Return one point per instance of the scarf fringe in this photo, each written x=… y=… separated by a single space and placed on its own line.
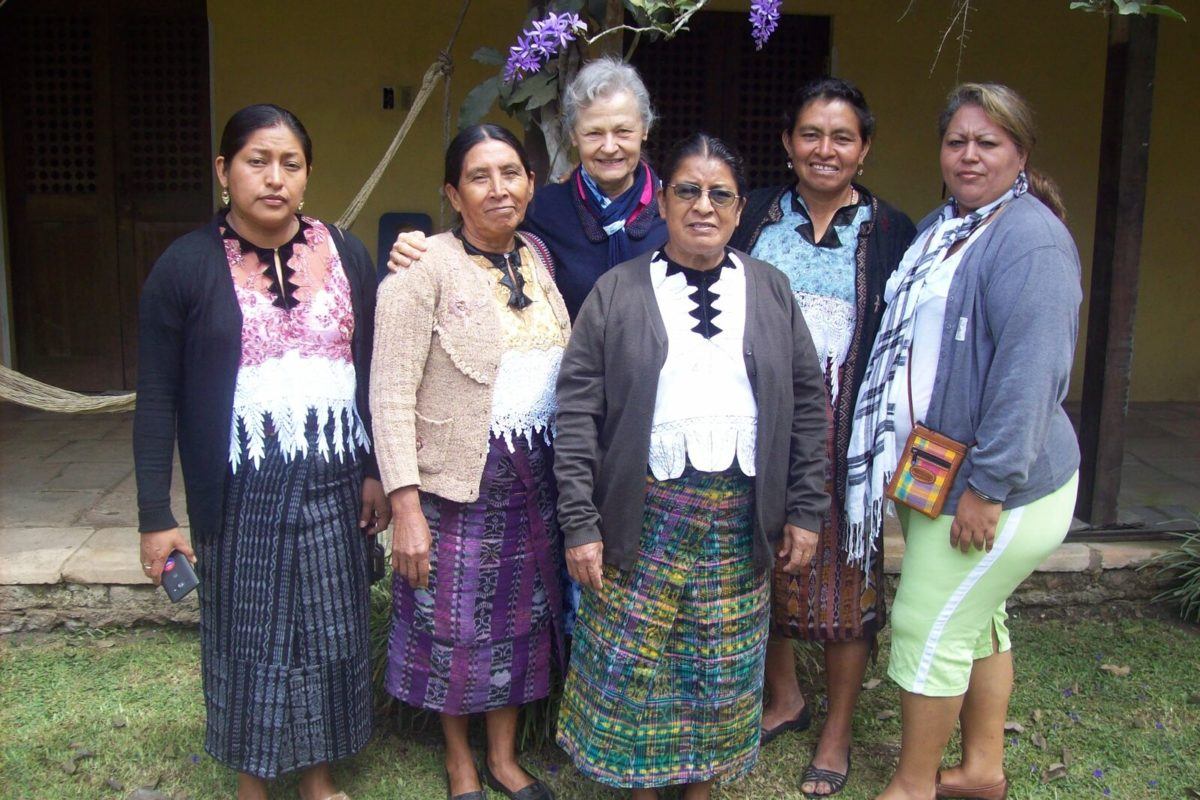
x=862 y=544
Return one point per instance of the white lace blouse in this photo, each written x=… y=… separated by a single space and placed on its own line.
x=705 y=410
x=523 y=400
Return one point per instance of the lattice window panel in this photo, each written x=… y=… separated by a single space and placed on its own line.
x=767 y=84
x=57 y=100
x=168 y=106
x=674 y=76
x=711 y=78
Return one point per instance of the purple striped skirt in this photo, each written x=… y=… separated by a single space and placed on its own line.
x=489 y=628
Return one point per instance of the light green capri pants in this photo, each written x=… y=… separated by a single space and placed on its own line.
x=949 y=603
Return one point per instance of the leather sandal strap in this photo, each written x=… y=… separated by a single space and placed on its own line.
x=836 y=780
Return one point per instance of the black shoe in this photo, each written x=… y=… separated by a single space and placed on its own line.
x=476 y=795
x=836 y=780
x=801 y=723
x=534 y=791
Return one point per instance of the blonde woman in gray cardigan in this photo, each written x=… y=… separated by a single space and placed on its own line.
x=977 y=344
x=467 y=350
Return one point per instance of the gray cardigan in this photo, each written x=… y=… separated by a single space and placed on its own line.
x=1012 y=315
x=606 y=393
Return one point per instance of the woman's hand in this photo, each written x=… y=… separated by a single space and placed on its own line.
x=585 y=563
x=157 y=546
x=409 y=247
x=797 y=549
x=975 y=523
x=410 y=547
x=376 y=511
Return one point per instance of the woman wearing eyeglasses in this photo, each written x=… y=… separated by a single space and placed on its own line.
x=467 y=351
x=690 y=455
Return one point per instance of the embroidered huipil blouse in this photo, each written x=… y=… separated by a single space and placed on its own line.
x=821 y=275
x=704 y=412
x=296 y=362
x=523 y=400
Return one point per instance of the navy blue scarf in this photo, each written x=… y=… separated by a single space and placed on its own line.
x=614 y=213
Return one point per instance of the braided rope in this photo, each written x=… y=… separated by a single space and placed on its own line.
x=23 y=390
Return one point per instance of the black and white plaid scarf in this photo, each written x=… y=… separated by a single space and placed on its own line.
x=872 y=454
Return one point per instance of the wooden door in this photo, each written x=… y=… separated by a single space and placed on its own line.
x=711 y=79
x=107 y=159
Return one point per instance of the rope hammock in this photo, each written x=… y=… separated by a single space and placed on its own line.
x=25 y=391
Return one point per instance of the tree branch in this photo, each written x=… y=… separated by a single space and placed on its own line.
x=667 y=31
x=962 y=11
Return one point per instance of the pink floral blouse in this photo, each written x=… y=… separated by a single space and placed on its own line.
x=296 y=364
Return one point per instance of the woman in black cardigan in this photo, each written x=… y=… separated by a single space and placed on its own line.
x=837 y=243
x=254 y=350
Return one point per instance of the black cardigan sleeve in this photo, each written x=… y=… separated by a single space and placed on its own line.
x=358 y=264
x=162 y=314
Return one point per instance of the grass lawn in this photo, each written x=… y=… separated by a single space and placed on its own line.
x=100 y=714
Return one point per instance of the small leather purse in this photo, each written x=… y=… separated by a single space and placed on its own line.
x=927 y=467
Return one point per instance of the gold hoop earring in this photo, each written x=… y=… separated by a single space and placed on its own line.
x=301 y=206
x=224 y=197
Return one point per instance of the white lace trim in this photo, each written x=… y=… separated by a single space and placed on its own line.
x=290 y=389
x=830 y=320
x=710 y=443
x=523 y=400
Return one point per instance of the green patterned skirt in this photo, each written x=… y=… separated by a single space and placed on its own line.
x=666 y=674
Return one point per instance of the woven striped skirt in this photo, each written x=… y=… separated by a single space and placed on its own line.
x=488 y=630
x=666 y=675
x=283 y=616
x=830 y=600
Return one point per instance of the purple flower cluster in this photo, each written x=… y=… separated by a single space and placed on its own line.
x=540 y=42
x=764 y=19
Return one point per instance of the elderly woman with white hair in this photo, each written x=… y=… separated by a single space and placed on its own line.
x=604 y=213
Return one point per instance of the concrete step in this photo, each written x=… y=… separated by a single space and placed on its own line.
x=109 y=556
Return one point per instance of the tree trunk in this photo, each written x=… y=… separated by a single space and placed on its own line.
x=1121 y=201
x=614 y=15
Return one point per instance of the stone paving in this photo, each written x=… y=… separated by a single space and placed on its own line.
x=68 y=499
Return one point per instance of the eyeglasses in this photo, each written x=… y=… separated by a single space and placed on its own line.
x=690 y=192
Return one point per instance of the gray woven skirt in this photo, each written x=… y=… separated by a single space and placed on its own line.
x=284 y=616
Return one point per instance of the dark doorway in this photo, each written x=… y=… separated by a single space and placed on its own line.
x=107 y=147
x=711 y=78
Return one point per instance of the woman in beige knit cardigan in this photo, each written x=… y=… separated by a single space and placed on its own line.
x=467 y=349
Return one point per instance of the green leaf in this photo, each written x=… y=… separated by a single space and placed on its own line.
x=478 y=102
x=574 y=6
x=531 y=85
x=543 y=95
x=1126 y=8
x=488 y=55
x=1166 y=11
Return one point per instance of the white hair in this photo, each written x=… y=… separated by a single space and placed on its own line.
x=605 y=77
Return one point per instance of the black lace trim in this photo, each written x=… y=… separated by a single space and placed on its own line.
x=283 y=295
x=703 y=295
x=843 y=217
x=509 y=265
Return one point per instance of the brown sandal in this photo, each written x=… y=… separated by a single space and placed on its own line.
x=997 y=791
